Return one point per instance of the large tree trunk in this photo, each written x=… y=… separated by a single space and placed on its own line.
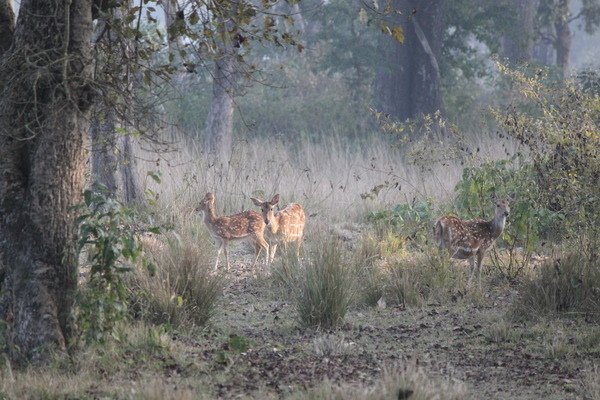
x=563 y=38
x=517 y=45
x=408 y=83
x=44 y=112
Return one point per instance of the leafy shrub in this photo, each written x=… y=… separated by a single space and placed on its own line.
x=568 y=283
x=529 y=220
x=559 y=126
x=411 y=220
x=183 y=289
x=107 y=235
x=325 y=288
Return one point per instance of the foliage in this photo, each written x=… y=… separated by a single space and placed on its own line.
x=529 y=221
x=412 y=220
x=326 y=288
x=567 y=283
x=183 y=290
x=107 y=236
x=560 y=130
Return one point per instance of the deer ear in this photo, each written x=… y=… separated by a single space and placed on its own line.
x=275 y=199
x=256 y=201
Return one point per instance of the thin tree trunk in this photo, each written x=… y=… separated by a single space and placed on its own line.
x=44 y=113
x=219 y=122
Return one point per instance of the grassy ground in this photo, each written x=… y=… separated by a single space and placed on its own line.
x=437 y=340
x=255 y=347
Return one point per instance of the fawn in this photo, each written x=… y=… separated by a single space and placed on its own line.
x=248 y=225
x=470 y=239
x=284 y=226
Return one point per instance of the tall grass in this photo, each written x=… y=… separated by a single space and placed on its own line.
x=327 y=177
x=568 y=283
x=325 y=288
x=183 y=290
x=407 y=383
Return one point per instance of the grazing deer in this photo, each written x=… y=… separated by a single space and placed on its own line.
x=248 y=225
x=283 y=226
x=470 y=239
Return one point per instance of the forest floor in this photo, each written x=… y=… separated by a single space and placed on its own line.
x=254 y=347
x=465 y=341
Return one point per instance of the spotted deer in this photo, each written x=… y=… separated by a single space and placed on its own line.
x=284 y=226
x=471 y=239
x=248 y=225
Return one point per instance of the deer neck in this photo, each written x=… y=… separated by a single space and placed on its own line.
x=210 y=215
x=498 y=224
x=274 y=223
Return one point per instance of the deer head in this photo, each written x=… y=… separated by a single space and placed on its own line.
x=267 y=208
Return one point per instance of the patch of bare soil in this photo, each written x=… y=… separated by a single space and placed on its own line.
x=256 y=348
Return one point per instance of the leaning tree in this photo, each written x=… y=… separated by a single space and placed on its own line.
x=47 y=90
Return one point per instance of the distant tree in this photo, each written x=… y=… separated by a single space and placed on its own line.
x=408 y=80
x=553 y=19
x=517 y=43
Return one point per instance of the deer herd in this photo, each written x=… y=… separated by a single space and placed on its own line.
x=463 y=239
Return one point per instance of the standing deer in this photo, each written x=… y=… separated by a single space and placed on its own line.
x=283 y=226
x=248 y=225
x=470 y=239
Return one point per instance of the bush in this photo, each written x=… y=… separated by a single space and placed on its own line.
x=325 y=288
x=109 y=236
x=529 y=221
x=423 y=278
x=568 y=283
x=183 y=290
x=409 y=221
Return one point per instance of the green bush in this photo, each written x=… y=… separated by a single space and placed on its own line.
x=325 y=288
x=108 y=234
x=529 y=221
x=412 y=221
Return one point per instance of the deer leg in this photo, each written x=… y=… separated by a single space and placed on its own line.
x=472 y=271
x=220 y=244
x=479 y=261
x=261 y=244
x=273 y=250
x=226 y=254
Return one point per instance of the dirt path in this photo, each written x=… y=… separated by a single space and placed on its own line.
x=464 y=341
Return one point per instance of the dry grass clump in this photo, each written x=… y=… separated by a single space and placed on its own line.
x=591 y=384
x=325 y=287
x=422 y=278
x=183 y=289
x=408 y=383
x=568 y=283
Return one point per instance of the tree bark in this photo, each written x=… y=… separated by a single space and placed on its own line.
x=44 y=112
x=517 y=45
x=219 y=122
x=408 y=84
x=7 y=25
x=563 y=37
